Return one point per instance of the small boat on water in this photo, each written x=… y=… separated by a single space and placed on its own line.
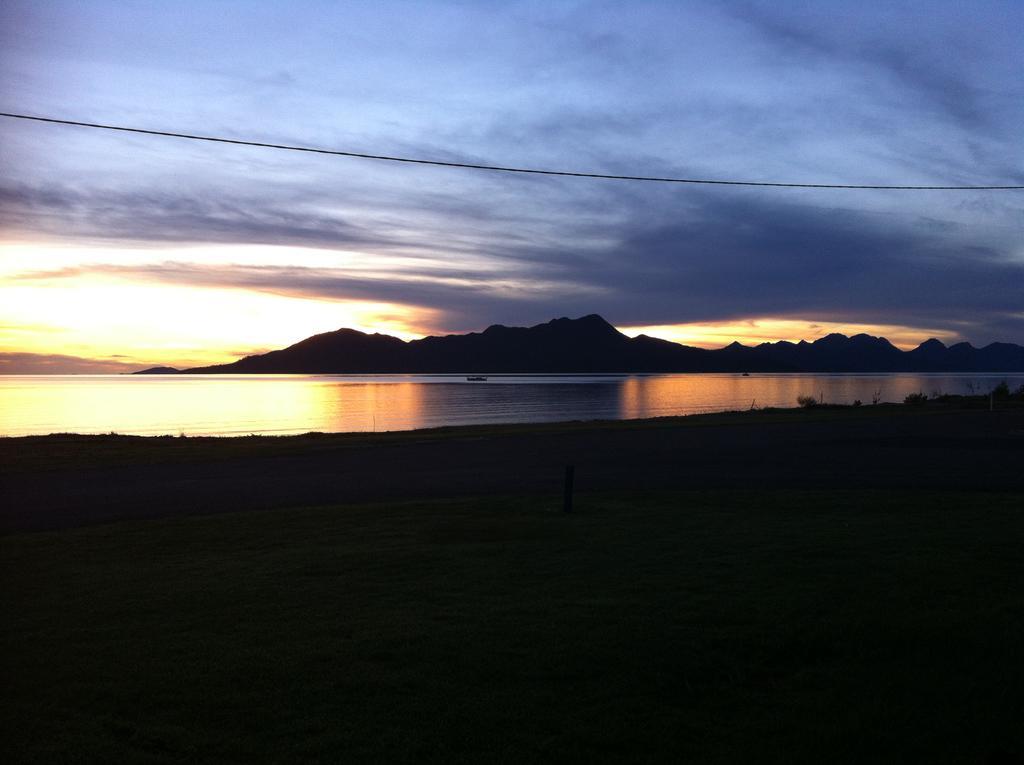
x=476 y=378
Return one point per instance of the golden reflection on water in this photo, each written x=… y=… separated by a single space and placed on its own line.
x=99 y=404
x=205 y=405
x=360 y=406
x=663 y=395
x=279 y=404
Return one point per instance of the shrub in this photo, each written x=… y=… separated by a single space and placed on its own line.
x=856 y=402
x=807 y=401
x=1002 y=390
x=915 y=399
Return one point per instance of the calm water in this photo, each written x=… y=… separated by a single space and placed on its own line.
x=236 y=405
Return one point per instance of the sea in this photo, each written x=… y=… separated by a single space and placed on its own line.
x=233 y=405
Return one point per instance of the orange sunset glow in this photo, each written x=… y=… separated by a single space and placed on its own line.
x=756 y=331
x=123 y=305
x=145 y=323
x=55 y=299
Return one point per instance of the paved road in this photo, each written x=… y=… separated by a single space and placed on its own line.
x=968 y=450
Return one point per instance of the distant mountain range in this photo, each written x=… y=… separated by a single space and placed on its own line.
x=591 y=344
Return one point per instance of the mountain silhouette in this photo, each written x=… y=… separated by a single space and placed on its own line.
x=591 y=344
x=839 y=353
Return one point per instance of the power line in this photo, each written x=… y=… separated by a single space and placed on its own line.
x=495 y=168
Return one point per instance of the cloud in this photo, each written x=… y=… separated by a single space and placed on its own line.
x=164 y=217
x=456 y=301
x=730 y=257
x=766 y=91
x=711 y=256
x=57 y=364
x=932 y=67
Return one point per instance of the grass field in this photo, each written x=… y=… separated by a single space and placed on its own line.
x=718 y=627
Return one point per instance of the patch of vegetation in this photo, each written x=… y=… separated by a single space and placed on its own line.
x=776 y=627
x=916 y=399
x=806 y=402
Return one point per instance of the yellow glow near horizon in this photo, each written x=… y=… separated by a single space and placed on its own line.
x=756 y=331
x=149 y=323
x=53 y=300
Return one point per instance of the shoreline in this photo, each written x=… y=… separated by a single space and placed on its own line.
x=59 y=481
x=943 y=403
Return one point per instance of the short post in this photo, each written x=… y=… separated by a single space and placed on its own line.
x=567 y=496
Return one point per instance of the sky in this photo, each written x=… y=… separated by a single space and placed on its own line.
x=122 y=250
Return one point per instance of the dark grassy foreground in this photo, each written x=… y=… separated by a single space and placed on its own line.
x=841 y=626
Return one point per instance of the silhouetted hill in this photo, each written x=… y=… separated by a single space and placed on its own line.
x=591 y=344
x=158 y=371
x=587 y=344
x=346 y=350
x=866 y=353
x=839 y=353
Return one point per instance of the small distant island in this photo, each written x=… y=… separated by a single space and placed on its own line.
x=592 y=345
x=158 y=371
